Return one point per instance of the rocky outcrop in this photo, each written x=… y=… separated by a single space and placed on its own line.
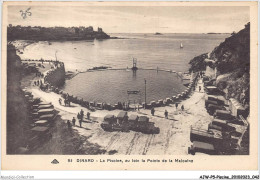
x=56 y=77
x=198 y=63
x=232 y=60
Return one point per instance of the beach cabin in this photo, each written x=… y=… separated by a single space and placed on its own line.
x=204 y=136
x=48 y=117
x=221 y=126
x=207 y=102
x=45 y=111
x=212 y=108
x=212 y=90
x=202 y=147
x=219 y=99
x=223 y=114
x=41 y=123
x=211 y=126
x=44 y=103
x=236 y=108
x=47 y=106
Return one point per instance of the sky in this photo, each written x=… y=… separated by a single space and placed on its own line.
x=136 y=19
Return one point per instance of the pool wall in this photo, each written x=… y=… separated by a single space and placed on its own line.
x=56 y=77
x=92 y=105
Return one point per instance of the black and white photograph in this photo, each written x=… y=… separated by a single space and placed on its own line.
x=128 y=79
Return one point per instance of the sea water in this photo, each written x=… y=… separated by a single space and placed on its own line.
x=151 y=51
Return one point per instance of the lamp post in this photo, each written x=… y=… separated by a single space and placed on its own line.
x=145 y=93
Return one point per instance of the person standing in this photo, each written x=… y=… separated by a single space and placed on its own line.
x=60 y=101
x=81 y=114
x=199 y=88
x=88 y=115
x=152 y=111
x=68 y=124
x=69 y=102
x=166 y=114
x=73 y=121
x=182 y=107
x=176 y=105
x=80 y=123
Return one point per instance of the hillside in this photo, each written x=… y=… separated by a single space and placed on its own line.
x=54 y=33
x=232 y=60
x=17 y=119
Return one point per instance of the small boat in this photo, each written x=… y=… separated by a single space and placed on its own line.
x=181 y=46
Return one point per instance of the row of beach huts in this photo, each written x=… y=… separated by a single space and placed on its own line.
x=228 y=128
x=41 y=116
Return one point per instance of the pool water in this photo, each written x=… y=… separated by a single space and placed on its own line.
x=111 y=86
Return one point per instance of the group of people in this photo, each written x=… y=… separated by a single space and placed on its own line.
x=166 y=112
x=66 y=100
x=38 y=82
x=80 y=115
x=39 y=74
x=80 y=118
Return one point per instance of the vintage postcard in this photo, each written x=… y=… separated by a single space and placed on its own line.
x=129 y=86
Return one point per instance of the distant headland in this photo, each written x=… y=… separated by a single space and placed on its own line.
x=39 y=33
x=157 y=33
x=217 y=33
